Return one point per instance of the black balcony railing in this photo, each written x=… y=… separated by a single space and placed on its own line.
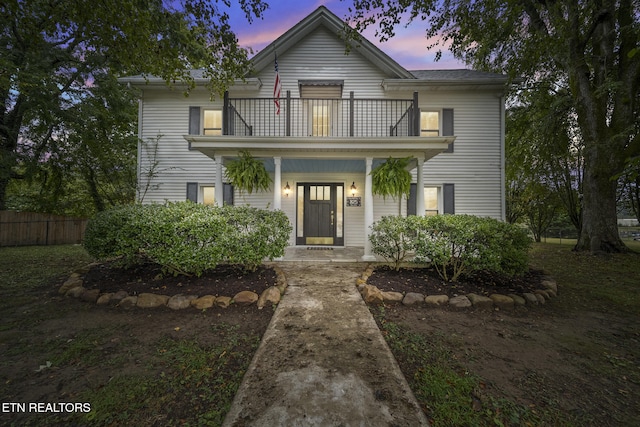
x=312 y=117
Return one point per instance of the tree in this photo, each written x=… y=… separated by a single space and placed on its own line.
x=542 y=150
x=51 y=51
x=592 y=46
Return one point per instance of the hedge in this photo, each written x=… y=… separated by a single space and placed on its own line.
x=456 y=245
x=188 y=238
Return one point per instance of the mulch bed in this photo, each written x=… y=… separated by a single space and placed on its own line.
x=427 y=281
x=224 y=280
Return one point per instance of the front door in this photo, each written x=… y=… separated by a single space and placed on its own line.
x=321 y=214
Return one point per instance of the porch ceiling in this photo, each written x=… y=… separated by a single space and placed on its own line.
x=320 y=154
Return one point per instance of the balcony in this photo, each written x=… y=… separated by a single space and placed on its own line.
x=320 y=118
x=314 y=128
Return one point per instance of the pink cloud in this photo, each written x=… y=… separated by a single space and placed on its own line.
x=408 y=47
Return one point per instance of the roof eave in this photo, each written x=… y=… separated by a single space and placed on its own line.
x=485 y=84
x=250 y=83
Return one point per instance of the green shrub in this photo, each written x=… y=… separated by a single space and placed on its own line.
x=392 y=239
x=188 y=238
x=456 y=245
x=256 y=234
x=118 y=232
x=460 y=245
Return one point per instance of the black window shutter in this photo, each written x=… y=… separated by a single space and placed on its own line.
x=194 y=120
x=192 y=191
x=447 y=126
x=227 y=194
x=448 y=198
x=411 y=201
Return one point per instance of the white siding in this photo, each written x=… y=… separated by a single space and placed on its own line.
x=166 y=114
x=321 y=56
x=474 y=167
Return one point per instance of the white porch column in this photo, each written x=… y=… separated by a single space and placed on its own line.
x=277 y=184
x=368 y=211
x=420 y=189
x=219 y=188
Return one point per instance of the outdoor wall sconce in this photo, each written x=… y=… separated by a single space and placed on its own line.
x=353 y=188
x=287 y=189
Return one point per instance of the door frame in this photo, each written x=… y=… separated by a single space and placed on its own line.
x=337 y=203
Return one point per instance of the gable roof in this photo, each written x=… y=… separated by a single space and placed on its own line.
x=398 y=77
x=323 y=17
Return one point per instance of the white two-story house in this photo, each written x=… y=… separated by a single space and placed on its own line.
x=338 y=116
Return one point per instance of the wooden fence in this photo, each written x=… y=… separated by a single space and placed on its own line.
x=28 y=228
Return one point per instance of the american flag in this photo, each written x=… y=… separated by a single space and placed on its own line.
x=277 y=88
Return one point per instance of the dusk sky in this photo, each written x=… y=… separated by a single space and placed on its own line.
x=408 y=48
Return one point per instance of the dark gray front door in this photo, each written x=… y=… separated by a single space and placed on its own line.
x=320 y=215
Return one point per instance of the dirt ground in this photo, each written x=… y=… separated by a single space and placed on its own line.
x=584 y=362
x=58 y=349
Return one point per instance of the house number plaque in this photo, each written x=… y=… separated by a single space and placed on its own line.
x=354 y=202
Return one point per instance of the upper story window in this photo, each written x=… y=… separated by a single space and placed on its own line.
x=429 y=123
x=320 y=120
x=321 y=101
x=212 y=122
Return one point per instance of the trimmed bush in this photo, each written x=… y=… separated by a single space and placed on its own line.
x=392 y=238
x=456 y=245
x=460 y=245
x=117 y=233
x=188 y=238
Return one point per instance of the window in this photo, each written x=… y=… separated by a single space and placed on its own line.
x=321 y=104
x=429 y=123
x=320 y=120
x=431 y=201
x=208 y=195
x=212 y=120
x=320 y=192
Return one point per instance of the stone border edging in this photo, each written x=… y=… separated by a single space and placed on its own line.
x=73 y=287
x=372 y=295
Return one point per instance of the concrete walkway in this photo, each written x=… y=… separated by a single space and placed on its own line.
x=323 y=360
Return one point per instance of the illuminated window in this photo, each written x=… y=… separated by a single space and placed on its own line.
x=429 y=123
x=431 y=201
x=212 y=122
x=208 y=195
x=320 y=120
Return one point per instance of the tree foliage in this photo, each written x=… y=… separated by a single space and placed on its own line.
x=629 y=190
x=592 y=47
x=544 y=165
x=54 y=52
